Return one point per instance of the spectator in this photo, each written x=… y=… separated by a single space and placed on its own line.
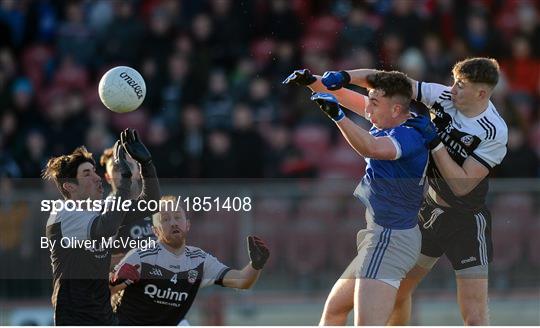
x=192 y=140
x=165 y=152
x=247 y=143
x=522 y=70
x=357 y=33
x=24 y=104
x=218 y=102
x=521 y=161
x=123 y=40
x=33 y=158
x=437 y=60
x=75 y=37
x=219 y=160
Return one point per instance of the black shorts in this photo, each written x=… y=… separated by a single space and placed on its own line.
x=464 y=236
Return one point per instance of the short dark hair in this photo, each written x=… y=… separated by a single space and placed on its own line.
x=478 y=70
x=63 y=168
x=392 y=83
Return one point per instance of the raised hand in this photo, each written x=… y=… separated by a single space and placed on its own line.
x=258 y=252
x=329 y=105
x=135 y=148
x=300 y=77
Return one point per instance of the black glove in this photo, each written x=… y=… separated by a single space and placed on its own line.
x=329 y=105
x=119 y=160
x=135 y=148
x=301 y=77
x=258 y=252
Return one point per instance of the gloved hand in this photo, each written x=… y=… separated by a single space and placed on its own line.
x=334 y=80
x=300 y=77
x=119 y=160
x=127 y=274
x=135 y=148
x=329 y=105
x=426 y=128
x=258 y=252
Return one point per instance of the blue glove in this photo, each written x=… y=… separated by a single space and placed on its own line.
x=301 y=77
x=329 y=105
x=334 y=80
x=426 y=128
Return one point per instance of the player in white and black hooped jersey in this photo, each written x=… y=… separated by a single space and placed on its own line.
x=158 y=285
x=467 y=139
x=483 y=137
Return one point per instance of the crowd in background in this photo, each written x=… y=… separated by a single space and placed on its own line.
x=215 y=106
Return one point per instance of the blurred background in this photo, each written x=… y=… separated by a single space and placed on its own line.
x=217 y=116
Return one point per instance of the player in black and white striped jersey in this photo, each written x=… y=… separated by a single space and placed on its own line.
x=159 y=284
x=468 y=139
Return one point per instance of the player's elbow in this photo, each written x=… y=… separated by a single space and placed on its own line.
x=379 y=153
x=460 y=190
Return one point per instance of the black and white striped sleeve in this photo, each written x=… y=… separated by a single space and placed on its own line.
x=429 y=93
x=214 y=271
x=492 y=149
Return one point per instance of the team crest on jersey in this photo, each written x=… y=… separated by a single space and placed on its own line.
x=192 y=276
x=467 y=140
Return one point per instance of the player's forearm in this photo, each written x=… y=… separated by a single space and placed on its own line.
x=107 y=223
x=359 y=139
x=347 y=98
x=250 y=276
x=359 y=76
x=454 y=175
x=150 y=191
x=241 y=279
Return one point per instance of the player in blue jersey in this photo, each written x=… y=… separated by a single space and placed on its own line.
x=391 y=190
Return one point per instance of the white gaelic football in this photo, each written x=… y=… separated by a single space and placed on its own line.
x=122 y=89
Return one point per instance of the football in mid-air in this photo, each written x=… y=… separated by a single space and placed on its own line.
x=122 y=89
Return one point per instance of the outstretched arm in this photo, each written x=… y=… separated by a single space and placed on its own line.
x=150 y=184
x=107 y=223
x=336 y=80
x=349 y=99
x=246 y=278
x=241 y=279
